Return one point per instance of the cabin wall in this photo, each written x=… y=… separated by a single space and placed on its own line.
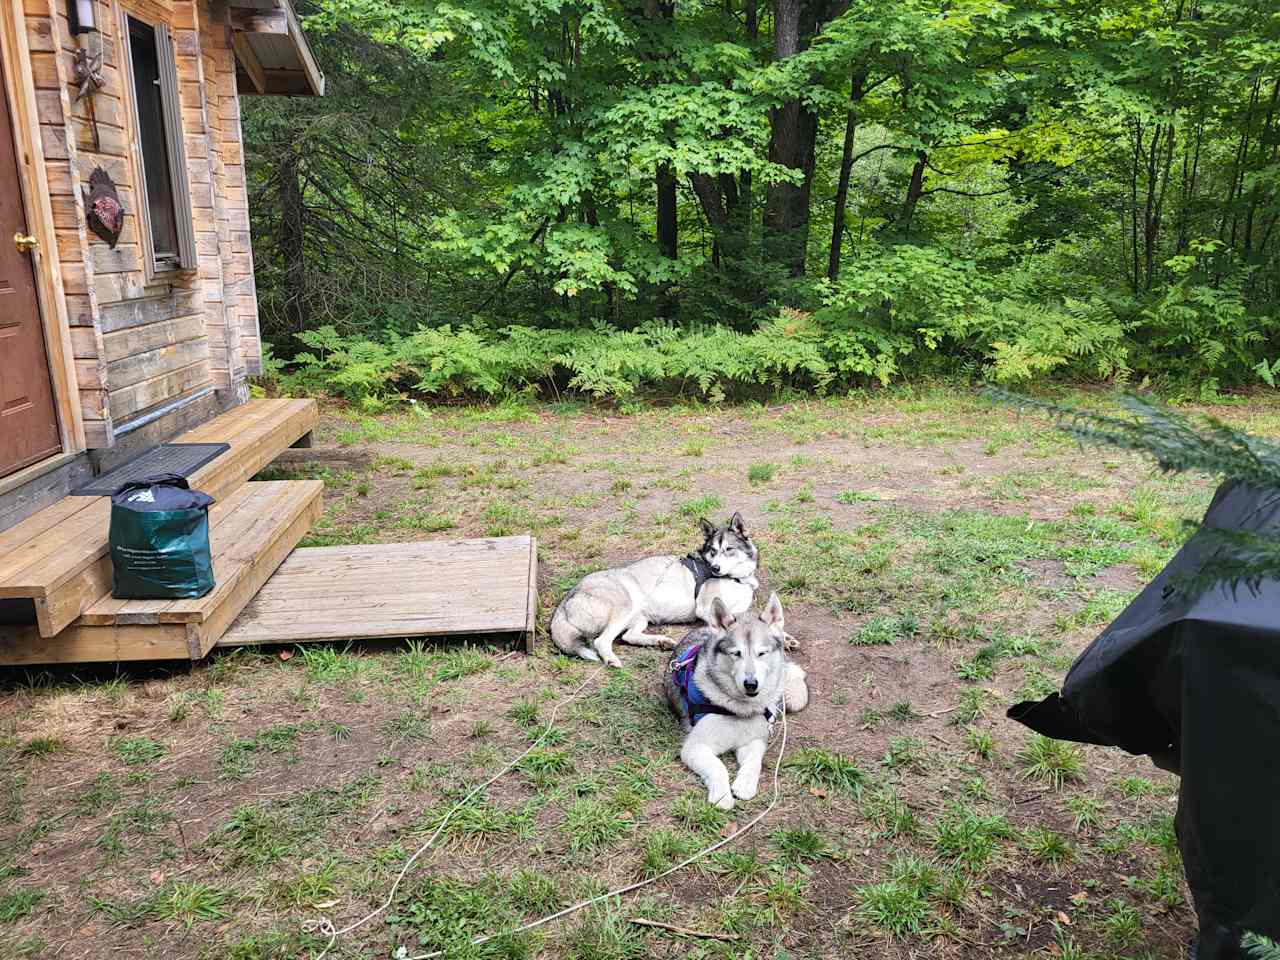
x=144 y=347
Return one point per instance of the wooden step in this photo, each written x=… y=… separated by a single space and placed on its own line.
x=251 y=532
x=58 y=557
x=429 y=589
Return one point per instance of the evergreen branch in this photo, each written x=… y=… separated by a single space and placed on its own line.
x=1235 y=557
x=1260 y=948
x=1179 y=443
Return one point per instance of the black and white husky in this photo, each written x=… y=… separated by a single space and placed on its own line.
x=621 y=604
x=726 y=685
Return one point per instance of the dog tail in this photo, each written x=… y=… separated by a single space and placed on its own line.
x=570 y=640
x=797 y=689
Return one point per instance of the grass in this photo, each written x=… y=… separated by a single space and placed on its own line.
x=1086 y=811
x=591 y=826
x=38 y=747
x=1054 y=763
x=981 y=742
x=900 y=905
x=969 y=838
x=800 y=845
x=929 y=583
x=821 y=769
x=903 y=752
x=137 y=750
x=1048 y=847
x=884 y=630
x=17 y=904
x=190 y=903
x=1123 y=924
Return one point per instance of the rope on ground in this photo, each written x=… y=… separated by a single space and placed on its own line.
x=325 y=926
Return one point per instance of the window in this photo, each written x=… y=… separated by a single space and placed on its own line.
x=164 y=200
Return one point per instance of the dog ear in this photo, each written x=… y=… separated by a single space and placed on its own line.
x=721 y=616
x=737 y=525
x=772 y=614
x=708 y=528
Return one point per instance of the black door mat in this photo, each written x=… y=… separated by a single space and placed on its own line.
x=183 y=459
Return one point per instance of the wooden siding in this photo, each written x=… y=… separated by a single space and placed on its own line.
x=141 y=342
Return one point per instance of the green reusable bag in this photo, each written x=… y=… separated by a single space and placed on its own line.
x=160 y=540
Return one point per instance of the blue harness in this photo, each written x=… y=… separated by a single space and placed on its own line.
x=695 y=701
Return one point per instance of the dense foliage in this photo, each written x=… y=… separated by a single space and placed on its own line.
x=719 y=197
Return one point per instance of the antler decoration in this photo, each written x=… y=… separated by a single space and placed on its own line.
x=88 y=74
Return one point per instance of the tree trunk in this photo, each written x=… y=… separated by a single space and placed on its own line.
x=1265 y=138
x=914 y=189
x=792 y=144
x=293 y=242
x=668 y=236
x=846 y=171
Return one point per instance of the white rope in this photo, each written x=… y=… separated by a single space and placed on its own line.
x=324 y=925
x=402 y=954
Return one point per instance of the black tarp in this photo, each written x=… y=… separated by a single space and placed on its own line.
x=1194 y=680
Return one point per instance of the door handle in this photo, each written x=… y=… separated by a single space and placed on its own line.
x=25 y=243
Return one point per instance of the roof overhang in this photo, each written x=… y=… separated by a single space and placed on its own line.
x=272 y=54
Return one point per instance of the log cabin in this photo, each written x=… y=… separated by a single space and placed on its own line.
x=128 y=313
x=113 y=341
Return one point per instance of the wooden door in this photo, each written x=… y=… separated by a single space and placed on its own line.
x=28 y=420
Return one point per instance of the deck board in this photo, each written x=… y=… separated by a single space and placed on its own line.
x=251 y=533
x=58 y=557
x=378 y=591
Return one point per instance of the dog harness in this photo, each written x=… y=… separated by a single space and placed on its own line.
x=700 y=569
x=695 y=701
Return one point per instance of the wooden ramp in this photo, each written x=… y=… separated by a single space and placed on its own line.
x=58 y=557
x=431 y=589
x=251 y=531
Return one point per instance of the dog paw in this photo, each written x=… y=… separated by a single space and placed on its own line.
x=724 y=802
x=744 y=792
x=613 y=662
x=668 y=643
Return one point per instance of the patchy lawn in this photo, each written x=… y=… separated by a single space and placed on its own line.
x=938 y=560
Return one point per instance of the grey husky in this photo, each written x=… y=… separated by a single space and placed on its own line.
x=620 y=604
x=727 y=684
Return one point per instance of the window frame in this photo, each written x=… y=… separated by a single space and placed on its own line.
x=175 y=148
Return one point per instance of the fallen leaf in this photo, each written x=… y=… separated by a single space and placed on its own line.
x=818 y=792
x=285 y=654
x=1064 y=919
x=327 y=905
x=157 y=877
x=730 y=829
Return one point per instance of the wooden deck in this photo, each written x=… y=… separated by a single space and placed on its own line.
x=250 y=532
x=430 y=589
x=58 y=558
x=267 y=592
